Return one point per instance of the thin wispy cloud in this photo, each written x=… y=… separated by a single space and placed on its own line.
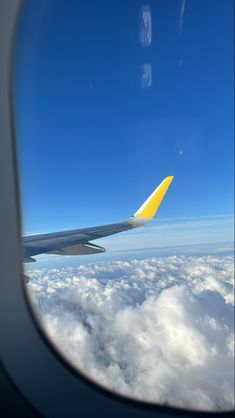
x=146 y=76
x=193 y=223
x=145 y=30
x=180 y=63
x=181 y=15
x=174 y=232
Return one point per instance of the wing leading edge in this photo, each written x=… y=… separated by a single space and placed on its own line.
x=76 y=242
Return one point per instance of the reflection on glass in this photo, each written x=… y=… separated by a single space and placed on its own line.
x=109 y=101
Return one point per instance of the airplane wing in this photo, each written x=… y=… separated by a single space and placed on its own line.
x=77 y=241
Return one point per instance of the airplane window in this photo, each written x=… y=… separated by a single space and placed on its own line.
x=124 y=115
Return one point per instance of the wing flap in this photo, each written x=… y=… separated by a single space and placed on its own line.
x=79 y=249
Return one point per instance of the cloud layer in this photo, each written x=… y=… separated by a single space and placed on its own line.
x=157 y=329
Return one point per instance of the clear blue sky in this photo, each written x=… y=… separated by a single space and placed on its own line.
x=108 y=104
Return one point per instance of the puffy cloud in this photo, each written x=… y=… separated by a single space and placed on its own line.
x=158 y=329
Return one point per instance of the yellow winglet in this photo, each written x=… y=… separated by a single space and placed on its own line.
x=148 y=209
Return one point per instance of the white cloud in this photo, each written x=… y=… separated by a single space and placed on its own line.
x=181 y=14
x=145 y=31
x=146 y=76
x=158 y=329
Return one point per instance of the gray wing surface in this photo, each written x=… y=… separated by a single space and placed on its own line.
x=77 y=241
x=72 y=242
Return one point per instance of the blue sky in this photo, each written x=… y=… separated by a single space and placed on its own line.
x=111 y=97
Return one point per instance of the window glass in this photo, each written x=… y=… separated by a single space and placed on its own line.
x=112 y=97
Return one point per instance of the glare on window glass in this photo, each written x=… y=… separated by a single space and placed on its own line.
x=125 y=137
